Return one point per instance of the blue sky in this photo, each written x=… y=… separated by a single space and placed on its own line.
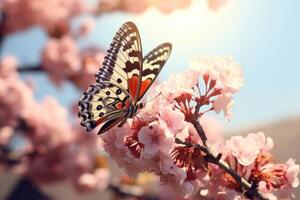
x=261 y=35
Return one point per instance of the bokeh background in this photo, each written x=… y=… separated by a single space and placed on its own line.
x=263 y=36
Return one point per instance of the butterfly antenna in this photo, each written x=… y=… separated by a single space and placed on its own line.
x=154 y=97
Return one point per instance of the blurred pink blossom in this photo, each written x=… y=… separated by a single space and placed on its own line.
x=48 y=131
x=86 y=26
x=52 y=150
x=5 y=134
x=91 y=61
x=168 y=6
x=123 y=5
x=165 y=6
x=61 y=58
x=15 y=98
x=63 y=61
x=215 y=5
x=8 y=66
x=98 y=180
x=74 y=160
x=35 y=12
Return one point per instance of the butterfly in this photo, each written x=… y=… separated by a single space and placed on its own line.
x=122 y=81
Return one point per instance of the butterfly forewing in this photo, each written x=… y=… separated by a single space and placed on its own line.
x=122 y=64
x=152 y=65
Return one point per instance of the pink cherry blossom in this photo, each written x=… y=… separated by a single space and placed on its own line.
x=178 y=84
x=61 y=58
x=8 y=67
x=45 y=131
x=292 y=173
x=256 y=144
x=5 y=134
x=222 y=68
x=86 y=26
x=156 y=138
x=173 y=118
x=278 y=180
x=20 y=99
x=35 y=12
x=254 y=163
x=224 y=103
x=91 y=61
x=63 y=61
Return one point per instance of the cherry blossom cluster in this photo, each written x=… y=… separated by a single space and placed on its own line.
x=255 y=164
x=49 y=13
x=61 y=57
x=63 y=60
x=37 y=140
x=57 y=19
x=149 y=143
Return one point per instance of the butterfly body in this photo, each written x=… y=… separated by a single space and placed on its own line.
x=122 y=81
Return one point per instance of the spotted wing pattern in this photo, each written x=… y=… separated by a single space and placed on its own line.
x=103 y=104
x=123 y=62
x=153 y=62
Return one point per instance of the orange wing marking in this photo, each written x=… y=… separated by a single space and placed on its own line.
x=144 y=86
x=133 y=83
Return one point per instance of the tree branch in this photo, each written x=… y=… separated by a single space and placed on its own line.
x=2 y=29
x=30 y=68
x=200 y=130
x=251 y=191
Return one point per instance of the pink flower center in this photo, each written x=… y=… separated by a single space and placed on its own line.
x=134 y=146
x=132 y=142
x=183 y=104
x=189 y=158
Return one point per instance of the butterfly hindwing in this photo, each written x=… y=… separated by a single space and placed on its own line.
x=122 y=64
x=153 y=62
x=100 y=103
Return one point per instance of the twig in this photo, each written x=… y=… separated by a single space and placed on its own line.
x=216 y=159
x=30 y=68
x=200 y=130
x=2 y=29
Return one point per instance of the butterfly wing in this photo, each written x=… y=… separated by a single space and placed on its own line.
x=153 y=62
x=103 y=104
x=123 y=63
